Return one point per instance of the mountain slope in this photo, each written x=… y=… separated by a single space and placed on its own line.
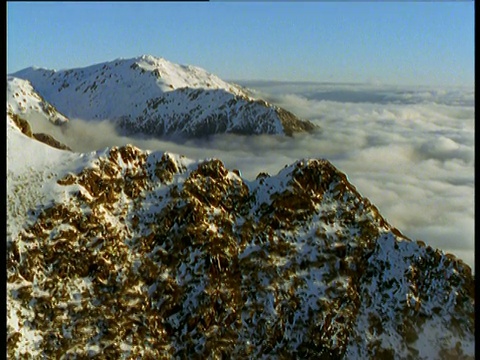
x=27 y=109
x=154 y=96
x=24 y=101
x=129 y=253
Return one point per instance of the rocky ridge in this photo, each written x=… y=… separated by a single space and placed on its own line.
x=153 y=255
x=149 y=95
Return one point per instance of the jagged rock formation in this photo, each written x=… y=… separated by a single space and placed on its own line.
x=151 y=255
x=152 y=96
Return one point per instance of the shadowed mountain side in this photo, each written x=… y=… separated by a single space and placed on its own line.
x=192 y=113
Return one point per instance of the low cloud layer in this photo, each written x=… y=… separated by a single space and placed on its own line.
x=410 y=151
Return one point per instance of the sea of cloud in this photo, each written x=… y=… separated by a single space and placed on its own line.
x=409 y=150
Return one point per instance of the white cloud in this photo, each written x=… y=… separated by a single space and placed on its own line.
x=411 y=152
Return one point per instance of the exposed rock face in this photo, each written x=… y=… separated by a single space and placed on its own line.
x=51 y=141
x=22 y=124
x=155 y=256
x=149 y=95
x=25 y=128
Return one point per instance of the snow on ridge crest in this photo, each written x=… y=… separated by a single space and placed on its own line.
x=184 y=76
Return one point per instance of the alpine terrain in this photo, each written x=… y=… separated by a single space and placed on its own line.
x=150 y=95
x=27 y=108
x=130 y=254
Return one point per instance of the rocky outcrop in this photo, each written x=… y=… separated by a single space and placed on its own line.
x=155 y=256
x=21 y=123
x=51 y=141
x=25 y=128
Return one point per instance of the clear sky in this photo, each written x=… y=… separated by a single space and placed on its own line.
x=419 y=43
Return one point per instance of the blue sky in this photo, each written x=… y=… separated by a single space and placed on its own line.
x=414 y=43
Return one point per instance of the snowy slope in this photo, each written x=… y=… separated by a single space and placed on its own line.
x=24 y=101
x=132 y=253
x=154 y=96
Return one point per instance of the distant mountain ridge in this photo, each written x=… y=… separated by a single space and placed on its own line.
x=153 y=96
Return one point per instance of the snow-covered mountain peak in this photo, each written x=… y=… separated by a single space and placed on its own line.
x=153 y=96
x=166 y=74
x=172 y=76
